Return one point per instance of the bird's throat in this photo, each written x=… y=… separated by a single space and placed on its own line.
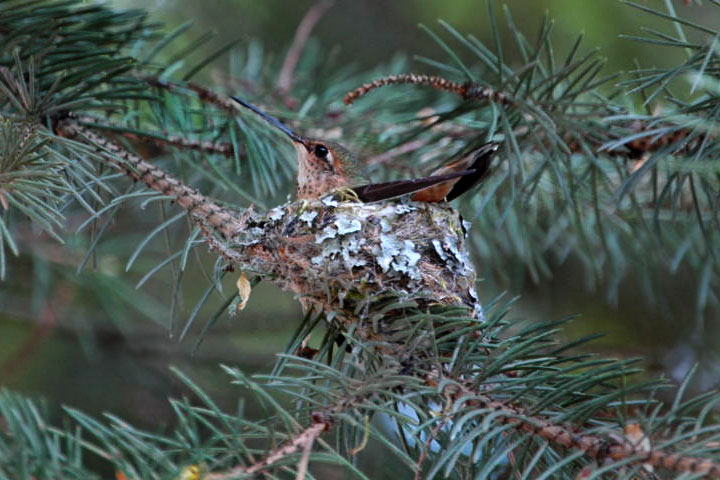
x=314 y=181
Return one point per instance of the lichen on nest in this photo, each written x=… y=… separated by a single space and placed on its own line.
x=333 y=253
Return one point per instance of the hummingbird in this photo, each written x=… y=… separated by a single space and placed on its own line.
x=326 y=166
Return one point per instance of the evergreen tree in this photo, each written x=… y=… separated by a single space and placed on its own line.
x=409 y=360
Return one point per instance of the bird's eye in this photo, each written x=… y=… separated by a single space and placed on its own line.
x=321 y=151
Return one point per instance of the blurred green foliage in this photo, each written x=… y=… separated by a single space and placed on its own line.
x=371 y=31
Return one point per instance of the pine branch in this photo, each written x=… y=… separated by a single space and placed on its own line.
x=629 y=445
x=647 y=136
x=160 y=140
x=303 y=440
x=467 y=90
x=204 y=94
x=196 y=204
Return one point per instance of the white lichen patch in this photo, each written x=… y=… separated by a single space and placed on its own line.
x=328 y=232
x=347 y=225
x=276 y=214
x=406 y=260
x=308 y=217
x=398 y=254
x=386 y=252
x=349 y=250
x=352 y=253
x=402 y=208
x=255 y=231
x=437 y=245
x=330 y=201
x=327 y=255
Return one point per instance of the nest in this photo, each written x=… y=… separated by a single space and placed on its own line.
x=337 y=256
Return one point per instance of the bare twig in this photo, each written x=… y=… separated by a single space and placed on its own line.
x=304 y=440
x=307 y=24
x=305 y=459
x=681 y=137
x=423 y=454
x=466 y=90
x=161 y=139
x=366 y=436
x=223 y=148
x=206 y=95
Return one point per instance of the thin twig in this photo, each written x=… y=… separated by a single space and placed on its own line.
x=303 y=440
x=305 y=459
x=206 y=95
x=472 y=91
x=161 y=139
x=423 y=454
x=307 y=24
x=366 y=436
x=222 y=148
x=467 y=90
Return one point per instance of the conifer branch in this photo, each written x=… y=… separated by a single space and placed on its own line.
x=162 y=139
x=610 y=447
x=646 y=136
x=204 y=94
x=303 y=440
x=219 y=248
x=196 y=204
x=213 y=148
x=467 y=90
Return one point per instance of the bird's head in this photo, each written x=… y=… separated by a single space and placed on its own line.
x=322 y=166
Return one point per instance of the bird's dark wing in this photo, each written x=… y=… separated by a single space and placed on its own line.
x=375 y=192
x=480 y=167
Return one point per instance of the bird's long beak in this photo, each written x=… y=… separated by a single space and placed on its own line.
x=272 y=121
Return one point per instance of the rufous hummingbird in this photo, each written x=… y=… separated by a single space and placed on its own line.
x=325 y=166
